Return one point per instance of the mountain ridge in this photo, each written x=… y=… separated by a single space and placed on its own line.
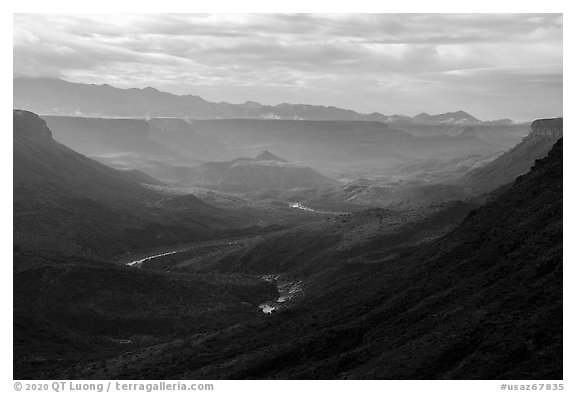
x=69 y=98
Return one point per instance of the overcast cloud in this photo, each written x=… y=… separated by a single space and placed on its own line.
x=491 y=65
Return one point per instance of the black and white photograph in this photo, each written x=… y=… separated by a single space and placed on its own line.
x=287 y=196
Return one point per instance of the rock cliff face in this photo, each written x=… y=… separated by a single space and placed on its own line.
x=40 y=162
x=29 y=126
x=518 y=160
x=548 y=128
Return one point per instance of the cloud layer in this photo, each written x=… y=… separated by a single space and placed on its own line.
x=492 y=65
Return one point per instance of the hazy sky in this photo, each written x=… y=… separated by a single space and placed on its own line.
x=491 y=65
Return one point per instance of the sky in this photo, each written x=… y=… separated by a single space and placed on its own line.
x=490 y=65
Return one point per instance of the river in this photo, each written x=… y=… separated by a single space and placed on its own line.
x=287 y=291
x=138 y=262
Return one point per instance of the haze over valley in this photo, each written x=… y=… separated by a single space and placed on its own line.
x=162 y=233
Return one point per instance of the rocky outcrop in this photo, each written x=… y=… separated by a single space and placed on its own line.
x=29 y=125
x=548 y=128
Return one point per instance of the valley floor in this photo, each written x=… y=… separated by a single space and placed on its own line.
x=232 y=281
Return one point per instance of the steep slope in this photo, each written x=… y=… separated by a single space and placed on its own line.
x=41 y=161
x=99 y=211
x=518 y=160
x=266 y=171
x=482 y=302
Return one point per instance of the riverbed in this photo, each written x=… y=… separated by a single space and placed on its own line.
x=287 y=291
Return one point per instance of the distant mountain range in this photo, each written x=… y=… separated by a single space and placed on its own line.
x=59 y=97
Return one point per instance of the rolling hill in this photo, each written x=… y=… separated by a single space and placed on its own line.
x=265 y=171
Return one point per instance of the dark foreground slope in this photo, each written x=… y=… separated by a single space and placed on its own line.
x=69 y=311
x=483 y=302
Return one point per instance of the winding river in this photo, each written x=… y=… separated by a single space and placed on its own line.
x=287 y=290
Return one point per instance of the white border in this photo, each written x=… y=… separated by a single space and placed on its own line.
x=127 y=6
